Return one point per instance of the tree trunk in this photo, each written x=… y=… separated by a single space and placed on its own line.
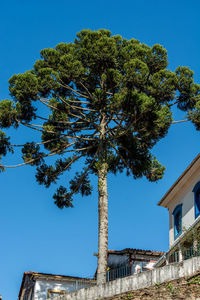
x=103 y=225
x=102 y=209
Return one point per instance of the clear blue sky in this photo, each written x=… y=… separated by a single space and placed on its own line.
x=34 y=233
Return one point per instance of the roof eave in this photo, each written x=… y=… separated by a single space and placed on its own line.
x=165 y=199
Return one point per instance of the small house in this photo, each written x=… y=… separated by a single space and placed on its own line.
x=130 y=261
x=42 y=286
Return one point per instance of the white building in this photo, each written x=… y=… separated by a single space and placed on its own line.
x=41 y=286
x=122 y=263
x=183 y=203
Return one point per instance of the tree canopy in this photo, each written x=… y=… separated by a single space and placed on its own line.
x=109 y=101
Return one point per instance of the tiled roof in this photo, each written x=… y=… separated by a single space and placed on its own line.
x=55 y=276
x=136 y=251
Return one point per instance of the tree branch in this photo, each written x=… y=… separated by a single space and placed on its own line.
x=62 y=122
x=123 y=147
x=90 y=95
x=83 y=108
x=181 y=121
x=42 y=143
x=69 y=164
x=124 y=161
x=75 y=107
x=30 y=161
x=71 y=89
x=70 y=113
x=86 y=120
x=48 y=105
x=83 y=175
x=56 y=133
x=53 y=152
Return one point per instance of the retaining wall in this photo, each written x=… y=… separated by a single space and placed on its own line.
x=138 y=281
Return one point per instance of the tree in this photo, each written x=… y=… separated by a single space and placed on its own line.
x=109 y=101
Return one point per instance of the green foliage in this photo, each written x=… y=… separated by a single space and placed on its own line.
x=194 y=280
x=99 y=81
x=5 y=145
x=188 y=90
x=170 y=287
x=157 y=284
x=194 y=115
x=156 y=171
x=49 y=174
x=8 y=114
x=129 y=296
x=31 y=154
x=187 y=242
x=46 y=175
x=81 y=184
x=63 y=198
x=52 y=137
x=24 y=87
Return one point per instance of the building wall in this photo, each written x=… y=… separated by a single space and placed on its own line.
x=42 y=286
x=138 y=261
x=28 y=290
x=184 y=196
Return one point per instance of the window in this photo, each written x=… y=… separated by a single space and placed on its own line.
x=177 y=213
x=196 y=191
x=174 y=257
x=54 y=293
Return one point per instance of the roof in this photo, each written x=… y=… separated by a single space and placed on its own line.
x=136 y=251
x=179 y=179
x=53 y=276
x=49 y=276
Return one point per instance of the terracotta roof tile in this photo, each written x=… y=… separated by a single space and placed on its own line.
x=136 y=251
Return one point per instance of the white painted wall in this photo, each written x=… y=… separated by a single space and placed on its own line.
x=42 y=286
x=184 y=196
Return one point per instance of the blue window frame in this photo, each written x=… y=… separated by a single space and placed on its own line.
x=177 y=213
x=196 y=191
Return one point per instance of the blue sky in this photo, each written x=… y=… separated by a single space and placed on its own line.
x=34 y=233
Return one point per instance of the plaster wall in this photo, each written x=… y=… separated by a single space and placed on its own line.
x=138 y=265
x=183 y=196
x=42 y=286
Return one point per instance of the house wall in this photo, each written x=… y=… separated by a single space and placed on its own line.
x=183 y=196
x=28 y=290
x=43 y=285
x=145 y=261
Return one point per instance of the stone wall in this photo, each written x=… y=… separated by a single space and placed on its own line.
x=187 y=288
x=136 y=282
